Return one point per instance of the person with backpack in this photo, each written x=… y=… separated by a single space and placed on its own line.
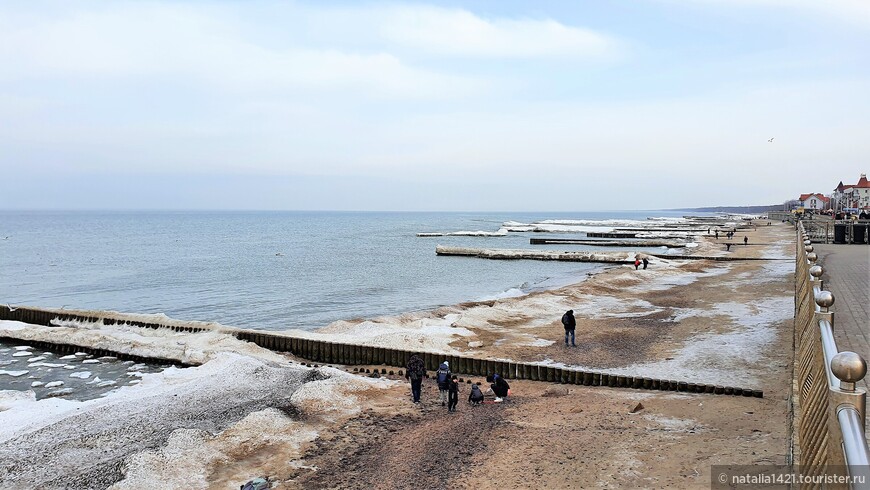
x=570 y=324
x=415 y=371
x=442 y=376
x=499 y=387
x=476 y=396
x=453 y=394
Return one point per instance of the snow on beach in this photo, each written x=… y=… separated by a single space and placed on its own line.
x=180 y=411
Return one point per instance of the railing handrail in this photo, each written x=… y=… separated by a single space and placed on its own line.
x=846 y=404
x=854 y=443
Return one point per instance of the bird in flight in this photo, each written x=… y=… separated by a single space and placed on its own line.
x=770 y=140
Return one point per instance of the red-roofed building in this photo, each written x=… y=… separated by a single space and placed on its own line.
x=814 y=201
x=859 y=194
x=852 y=196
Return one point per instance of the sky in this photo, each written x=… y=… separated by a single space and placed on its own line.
x=430 y=106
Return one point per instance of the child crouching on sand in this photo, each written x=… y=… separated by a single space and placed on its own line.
x=476 y=396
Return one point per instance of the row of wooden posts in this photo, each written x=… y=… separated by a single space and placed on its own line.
x=324 y=352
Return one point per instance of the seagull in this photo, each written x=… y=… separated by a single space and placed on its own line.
x=770 y=140
x=11 y=308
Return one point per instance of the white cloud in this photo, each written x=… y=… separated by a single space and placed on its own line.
x=160 y=41
x=456 y=32
x=850 y=11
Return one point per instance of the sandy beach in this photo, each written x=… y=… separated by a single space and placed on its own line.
x=725 y=322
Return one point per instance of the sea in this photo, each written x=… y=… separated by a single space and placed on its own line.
x=271 y=270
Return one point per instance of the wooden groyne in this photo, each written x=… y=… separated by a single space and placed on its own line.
x=578 y=256
x=530 y=254
x=610 y=234
x=325 y=352
x=607 y=243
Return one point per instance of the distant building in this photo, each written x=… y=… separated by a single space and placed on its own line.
x=814 y=201
x=854 y=196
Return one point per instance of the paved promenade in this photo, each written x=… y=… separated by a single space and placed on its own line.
x=847 y=276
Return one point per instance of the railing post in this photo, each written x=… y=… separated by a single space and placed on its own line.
x=848 y=445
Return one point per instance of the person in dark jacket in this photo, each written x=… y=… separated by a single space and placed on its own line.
x=442 y=376
x=499 y=386
x=453 y=394
x=476 y=396
x=746 y=240
x=645 y=263
x=570 y=324
x=415 y=371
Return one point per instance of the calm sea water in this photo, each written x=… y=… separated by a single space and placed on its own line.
x=266 y=270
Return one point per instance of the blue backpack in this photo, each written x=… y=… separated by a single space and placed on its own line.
x=442 y=376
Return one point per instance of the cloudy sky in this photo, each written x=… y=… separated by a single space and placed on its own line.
x=507 y=105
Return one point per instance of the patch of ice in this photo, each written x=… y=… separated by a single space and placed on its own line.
x=14 y=374
x=23 y=347
x=94 y=381
x=36 y=359
x=81 y=354
x=81 y=375
x=67 y=358
x=22 y=353
x=54 y=384
x=90 y=361
x=69 y=367
x=36 y=384
x=10 y=361
x=103 y=384
x=46 y=364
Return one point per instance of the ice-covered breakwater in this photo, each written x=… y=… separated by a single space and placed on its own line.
x=326 y=352
x=516 y=254
x=609 y=243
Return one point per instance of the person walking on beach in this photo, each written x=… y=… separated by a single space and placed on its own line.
x=645 y=263
x=636 y=263
x=745 y=240
x=570 y=324
x=453 y=394
x=442 y=376
x=415 y=371
x=717 y=234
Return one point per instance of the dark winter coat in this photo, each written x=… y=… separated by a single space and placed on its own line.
x=476 y=395
x=500 y=387
x=443 y=376
x=415 y=368
x=568 y=321
x=453 y=386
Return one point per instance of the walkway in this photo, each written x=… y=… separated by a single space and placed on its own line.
x=847 y=276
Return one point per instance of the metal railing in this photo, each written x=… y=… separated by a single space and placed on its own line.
x=830 y=410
